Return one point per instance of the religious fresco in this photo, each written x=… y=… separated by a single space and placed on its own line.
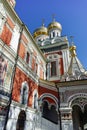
x=8 y=74
x=5 y=71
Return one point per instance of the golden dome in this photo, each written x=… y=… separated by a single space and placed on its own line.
x=54 y=25
x=40 y=31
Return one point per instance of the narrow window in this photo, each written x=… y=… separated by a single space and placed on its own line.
x=24 y=96
x=36 y=68
x=53 y=68
x=24 y=93
x=35 y=101
x=53 y=34
x=27 y=57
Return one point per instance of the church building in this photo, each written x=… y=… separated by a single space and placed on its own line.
x=43 y=85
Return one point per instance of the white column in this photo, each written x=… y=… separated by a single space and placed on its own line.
x=48 y=71
x=65 y=60
x=66 y=118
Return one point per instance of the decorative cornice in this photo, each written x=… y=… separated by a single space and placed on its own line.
x=60 y=46
x=47 y=84
x=72 y=83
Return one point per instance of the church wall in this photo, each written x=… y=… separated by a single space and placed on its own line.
x=10 y=22
x=48 y=95
x=21 y=77
x=15 y=110
x=6 y=35
x=26 y=73
x=6 y=71
x=11 y=33
x=42 y=90
x=61 y=66
x=22 y=50
x=54 y=73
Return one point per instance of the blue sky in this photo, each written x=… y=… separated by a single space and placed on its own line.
x=72 y=14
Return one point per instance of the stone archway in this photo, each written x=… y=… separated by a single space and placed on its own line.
x=21 y=120
x=49 y=113
x=49 y=107
x=79 y=112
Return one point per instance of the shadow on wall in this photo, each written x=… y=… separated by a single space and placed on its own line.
x=50 y=113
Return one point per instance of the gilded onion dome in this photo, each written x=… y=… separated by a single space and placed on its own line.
x=53 y=25
x=40 y=31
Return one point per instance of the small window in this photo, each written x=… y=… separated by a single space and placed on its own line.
x=24 y=93
x=53 y=34
x=36 y=68
x=39 y=40
x=53 y=68
x=27 y=57
x=55 y=56
x=50 y=57
x=35 y=101
x=50 y=35
x=24 y=96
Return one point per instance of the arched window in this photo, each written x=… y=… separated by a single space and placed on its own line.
x=53 y=34
x=35 y=99
x=24 y=93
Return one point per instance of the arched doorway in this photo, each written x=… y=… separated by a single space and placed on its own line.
x=79 y=113
x=85 y=117
x=21 y=121
x=77 y=118
x=50 y=113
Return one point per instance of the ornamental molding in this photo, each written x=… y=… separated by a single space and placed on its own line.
x=50 y=96
x=71 y=83
x=79 y=99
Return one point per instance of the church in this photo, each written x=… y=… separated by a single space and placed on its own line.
x=43 y=85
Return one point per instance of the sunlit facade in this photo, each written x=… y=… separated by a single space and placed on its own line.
x=43 y=85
